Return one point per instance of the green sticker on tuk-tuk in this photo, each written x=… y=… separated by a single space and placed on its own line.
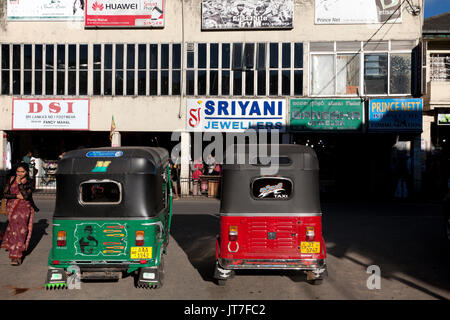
x=101 y=166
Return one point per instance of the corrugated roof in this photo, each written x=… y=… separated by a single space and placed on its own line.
x=437 y=24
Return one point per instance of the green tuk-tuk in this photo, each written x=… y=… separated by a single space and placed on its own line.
x=112 y=216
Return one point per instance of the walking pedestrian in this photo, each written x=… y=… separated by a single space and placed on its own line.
x=20 y=208
x=174 y=178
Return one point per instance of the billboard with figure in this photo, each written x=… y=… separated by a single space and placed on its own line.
x=248 y=14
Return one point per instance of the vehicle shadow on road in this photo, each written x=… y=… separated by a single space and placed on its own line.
x=196 y=235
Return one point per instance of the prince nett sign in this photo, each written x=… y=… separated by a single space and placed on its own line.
x=45 y=114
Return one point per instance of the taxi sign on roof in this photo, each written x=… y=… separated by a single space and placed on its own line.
x=104 y=154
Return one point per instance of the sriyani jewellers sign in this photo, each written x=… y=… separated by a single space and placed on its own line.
x=49 y=114
x=235 y=115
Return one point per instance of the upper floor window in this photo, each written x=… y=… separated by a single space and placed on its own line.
x=244 y=69
x=355 y=68
x=440 y=67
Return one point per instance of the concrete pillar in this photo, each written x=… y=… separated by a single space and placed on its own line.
x=116 y=140
x=185 y=163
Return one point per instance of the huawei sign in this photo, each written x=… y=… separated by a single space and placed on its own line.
x=98 y=6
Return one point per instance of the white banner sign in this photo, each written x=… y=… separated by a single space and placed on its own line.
x=235 y=115
x=124 y=13
x=49 y=114
x=357 y=11
x=26 y=10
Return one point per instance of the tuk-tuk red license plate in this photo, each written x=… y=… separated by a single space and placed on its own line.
x=310 y=247
x=141 y=252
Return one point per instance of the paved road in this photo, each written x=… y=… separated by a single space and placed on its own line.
x=404 y=240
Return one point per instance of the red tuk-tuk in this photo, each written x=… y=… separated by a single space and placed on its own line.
x=271 y=221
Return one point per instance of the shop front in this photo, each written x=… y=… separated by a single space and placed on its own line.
x=334 y=129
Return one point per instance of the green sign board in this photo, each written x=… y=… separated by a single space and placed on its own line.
x=326 y=114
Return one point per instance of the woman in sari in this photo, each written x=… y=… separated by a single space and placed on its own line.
x=20 y=209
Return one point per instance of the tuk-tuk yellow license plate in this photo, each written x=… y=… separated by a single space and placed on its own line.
x=310 y=247
x=141 y=252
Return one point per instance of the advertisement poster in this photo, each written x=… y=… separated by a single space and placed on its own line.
x=124 y=13
x=326 y=114
x=249 y=14
x=357 y=11
x=235 y=115
x=444 y=119
x=50 y=114
x=45 y=10
x=395 y=115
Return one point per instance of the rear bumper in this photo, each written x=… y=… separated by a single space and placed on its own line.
x=276 y=264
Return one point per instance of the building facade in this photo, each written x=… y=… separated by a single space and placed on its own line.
x=324 y=72
x=436 y=40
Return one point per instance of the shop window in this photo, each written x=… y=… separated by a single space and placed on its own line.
x=27 y=66
x=322 y=74
x=16 y=68
x=107 y=69
x=38 y=60
x=439 y=66
x=400 y=73
x=142 y=67
x=130 y=73
x=274 y=63
x=261 y=69
x=153 y=69
x=176 y=69
x=61 y=69
x=165 y=69
x=72 y=70
x=83 y=67
x=214 y=66
x=347 y=79
x=376 y=73
x=119 y=72
x=97 y=69
x=49 y=68
x=5 y=68
x=226 y=54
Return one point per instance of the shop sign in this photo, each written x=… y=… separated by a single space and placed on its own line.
x=248 y=14
x=357 y=11
x=326 y=114
x=395 y=115
x=235 y=115
x=444 y=119
x=45 y=10
x=49 y=114
x=124 y=13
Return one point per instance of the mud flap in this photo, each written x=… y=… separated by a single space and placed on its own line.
x=222 y=274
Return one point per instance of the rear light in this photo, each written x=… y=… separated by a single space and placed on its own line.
x=310 y=234
x=233 y=233
x=140 y=235
x=61 y=239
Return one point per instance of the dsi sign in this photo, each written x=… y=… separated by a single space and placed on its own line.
x=235 y=115
x=395 y=115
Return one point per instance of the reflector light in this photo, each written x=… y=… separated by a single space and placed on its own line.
x=140 y=236
x=233 y=233
x=310 y=234
x=55 y=261
x=143 y=261
x=61 y=239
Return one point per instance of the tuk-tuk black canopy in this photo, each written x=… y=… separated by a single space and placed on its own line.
x=298 y=165
x=138 y=171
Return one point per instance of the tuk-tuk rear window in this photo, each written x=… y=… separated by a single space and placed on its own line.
x=278 y=188
x=100 y=192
